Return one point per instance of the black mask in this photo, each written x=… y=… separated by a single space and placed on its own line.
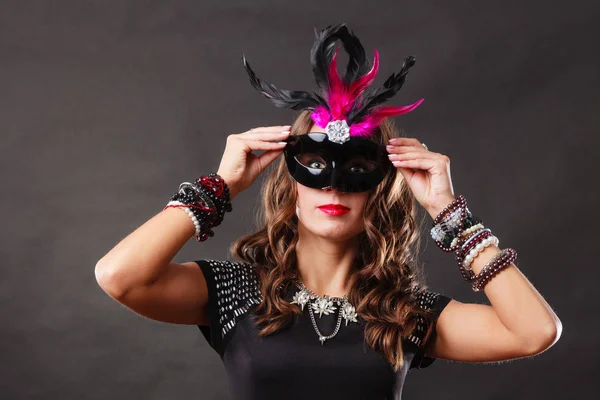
x=357 y=165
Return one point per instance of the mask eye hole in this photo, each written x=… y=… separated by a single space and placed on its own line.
x=360 y=165
x=311 y=160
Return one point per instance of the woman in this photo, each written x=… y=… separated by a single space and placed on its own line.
x=324 y=300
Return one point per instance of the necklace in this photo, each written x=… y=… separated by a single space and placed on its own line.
x=324 y=305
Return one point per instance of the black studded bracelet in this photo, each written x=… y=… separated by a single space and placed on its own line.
x=206 y=200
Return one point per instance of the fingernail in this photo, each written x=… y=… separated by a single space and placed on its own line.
x=389 y=147
x=281 y=142
x=393 y=140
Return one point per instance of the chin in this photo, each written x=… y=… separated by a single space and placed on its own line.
x=337 y=230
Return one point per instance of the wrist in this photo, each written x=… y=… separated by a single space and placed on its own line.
x=233 y=191
x=435 y=209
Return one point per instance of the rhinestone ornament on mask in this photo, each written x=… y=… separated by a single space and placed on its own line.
x=338 y=131
x=324 y=305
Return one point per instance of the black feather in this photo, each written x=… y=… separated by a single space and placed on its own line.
x=358 y=65
x=324 y=48
x=322 y=53
x=294 y=99
x=390 y=87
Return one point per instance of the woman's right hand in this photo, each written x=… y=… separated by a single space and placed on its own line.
x=239 y=168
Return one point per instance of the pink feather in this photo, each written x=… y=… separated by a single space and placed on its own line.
x=364 y=128
x=358 y=86
x=340 y=97
x=321 y=116
x=337 y=95
x=371 y=121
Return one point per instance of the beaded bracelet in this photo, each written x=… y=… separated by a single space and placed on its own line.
x=456 y=229
x=184 y=207
x=450 y=222
x=478 y=248
x=500 y=261
x=205 y=200
x=201 y=194
x=203 y=216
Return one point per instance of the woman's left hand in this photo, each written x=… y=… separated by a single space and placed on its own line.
x=426 y=173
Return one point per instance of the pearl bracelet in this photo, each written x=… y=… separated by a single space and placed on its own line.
x=474 y=252
x=206 y=201
x=189 y=212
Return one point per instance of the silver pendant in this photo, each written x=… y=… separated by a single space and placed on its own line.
x=301 y=298
x=324 y=305
x=349 y=313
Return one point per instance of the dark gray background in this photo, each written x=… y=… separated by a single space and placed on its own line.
x=106 y=106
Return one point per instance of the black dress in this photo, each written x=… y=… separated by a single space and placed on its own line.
x=292 y=363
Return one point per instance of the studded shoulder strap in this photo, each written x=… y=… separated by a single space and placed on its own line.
x=428 y=300
x=233 y=287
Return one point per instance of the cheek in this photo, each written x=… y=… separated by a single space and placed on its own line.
x=360 y=204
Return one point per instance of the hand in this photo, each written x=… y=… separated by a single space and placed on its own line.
x=239 y=168
x=426 y=173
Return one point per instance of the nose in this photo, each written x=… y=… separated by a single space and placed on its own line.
x=331 y=188
x=333 y=179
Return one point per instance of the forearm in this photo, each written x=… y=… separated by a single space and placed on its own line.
x=518 y=305
x=140 y=258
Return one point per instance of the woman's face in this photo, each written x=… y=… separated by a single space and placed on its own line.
x=330 y=226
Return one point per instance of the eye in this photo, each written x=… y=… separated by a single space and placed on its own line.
x=314 y=163
x=311 y=160
x=361 y=166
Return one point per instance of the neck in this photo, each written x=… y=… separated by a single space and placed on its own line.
x=324 y=265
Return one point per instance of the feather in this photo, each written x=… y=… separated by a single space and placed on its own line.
x=342 y=97
x=321 y=116
x=358 y=86
x=390 y=87
x=342 y=93
x=294 y=99
x=371 y=121
x=322 y=53
x=337 y=96
x=358 y=64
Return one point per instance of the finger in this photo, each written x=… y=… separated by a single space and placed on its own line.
x=274 y=128
x=262 y=145
x=420 y=163
x=394 y=149
x=265 y=135
x=404 y=141
x=411 y=155
x=411 y=143
x=269 y=156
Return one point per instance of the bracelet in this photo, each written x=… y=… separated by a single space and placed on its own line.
x=500 y=261
x=450 y=222
x=474 y=252
x=206 y=201
x=456 y=229
x=178 y=204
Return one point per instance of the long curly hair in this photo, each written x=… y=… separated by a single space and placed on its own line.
x=386 y=276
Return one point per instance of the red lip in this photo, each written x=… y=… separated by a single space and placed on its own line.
x=334 y=207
